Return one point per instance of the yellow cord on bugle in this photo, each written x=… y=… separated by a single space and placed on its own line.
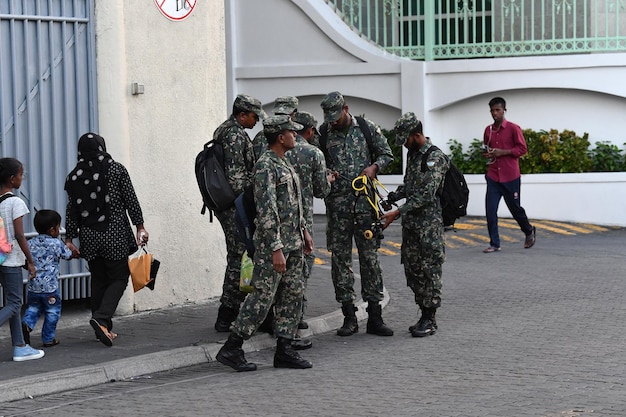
x=363 y=189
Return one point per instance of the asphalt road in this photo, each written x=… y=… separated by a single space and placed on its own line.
x=537 y=332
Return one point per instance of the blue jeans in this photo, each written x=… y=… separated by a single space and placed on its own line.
x=511 y=193
x=13 y=287
x=49 y=304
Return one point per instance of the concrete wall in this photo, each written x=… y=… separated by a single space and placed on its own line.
x=304 y=49
x=156 y=135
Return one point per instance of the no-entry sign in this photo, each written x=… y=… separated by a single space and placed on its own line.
x=176 y=9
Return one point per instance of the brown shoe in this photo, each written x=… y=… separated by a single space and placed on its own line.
x=530 y=240
x=54 y=342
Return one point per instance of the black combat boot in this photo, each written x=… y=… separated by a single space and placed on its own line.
x=350 y=323
x=375 y=323
x=427 y=325
x=225 y=317
x=286 y=357
x=231 y=354
x=298 y=343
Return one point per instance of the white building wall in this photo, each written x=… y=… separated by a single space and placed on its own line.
x=303 y=48
x=156 y=135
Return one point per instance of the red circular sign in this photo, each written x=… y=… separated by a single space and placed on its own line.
x=176 y=9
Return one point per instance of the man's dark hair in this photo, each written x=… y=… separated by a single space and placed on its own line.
x=45 y=220
x=272 y=137
x=237 y=110
x=496 y=101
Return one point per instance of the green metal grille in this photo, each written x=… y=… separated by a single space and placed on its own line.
x=449 y=29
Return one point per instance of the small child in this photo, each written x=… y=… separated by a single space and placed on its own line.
x=13 y=210
x=43 y=290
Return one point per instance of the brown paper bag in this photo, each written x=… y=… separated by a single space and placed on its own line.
x=139 y=264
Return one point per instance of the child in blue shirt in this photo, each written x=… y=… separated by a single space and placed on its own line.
x=43 y=291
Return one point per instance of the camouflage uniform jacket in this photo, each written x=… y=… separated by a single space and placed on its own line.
x=349 y=154
x=308 y=162
x=422 y=204
x=259 y=144
x=238 y=154
x=279 y=220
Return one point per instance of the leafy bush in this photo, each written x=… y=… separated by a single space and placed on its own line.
x=395 y=167
x=548 y=151
x=607 y=157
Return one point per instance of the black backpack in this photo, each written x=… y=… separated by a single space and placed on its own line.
x=217 y=195
x=245 y=212
x=454 y=194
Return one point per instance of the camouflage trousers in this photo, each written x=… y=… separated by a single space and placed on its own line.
x=231 y=295
x=283 y=290
x=307 y=266
x=347 y=220
x=423 y=254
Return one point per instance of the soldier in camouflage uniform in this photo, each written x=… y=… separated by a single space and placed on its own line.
x=238 y=165
x=423 y=249
x=282 y=105
x=349 y=215
x=309 y=163
x=280 y=239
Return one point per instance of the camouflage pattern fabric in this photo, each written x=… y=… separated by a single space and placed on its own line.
x=259 y=144
x=308 y=162
x=232 y=296
x=349 y=216
x=423 y=247
x=344 y=223
x=349 y=154
x=282 y=105
x=279 y=224
x=284 y=291
x=238 y=154
x=238 y=166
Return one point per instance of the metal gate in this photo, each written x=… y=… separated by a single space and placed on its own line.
x=48 y=99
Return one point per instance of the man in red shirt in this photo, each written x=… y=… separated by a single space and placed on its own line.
x=504 y=145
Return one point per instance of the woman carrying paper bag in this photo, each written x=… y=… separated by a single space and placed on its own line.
x=101 y=198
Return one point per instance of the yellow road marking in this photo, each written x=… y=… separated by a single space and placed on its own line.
x=466 y=226
x=594 y=227
x=394 y=244
x=461 y=239
x=585 y=228
x=560 y=231
x=319 y=261
x=387 y=251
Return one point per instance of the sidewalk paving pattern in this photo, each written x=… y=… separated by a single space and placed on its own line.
x=182 y=336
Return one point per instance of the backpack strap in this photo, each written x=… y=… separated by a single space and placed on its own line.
x=7 y=195
x=426 y=155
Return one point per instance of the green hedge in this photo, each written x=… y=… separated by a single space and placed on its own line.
x=548 y=151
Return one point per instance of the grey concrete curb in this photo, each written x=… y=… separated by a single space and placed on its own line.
x=124 y=369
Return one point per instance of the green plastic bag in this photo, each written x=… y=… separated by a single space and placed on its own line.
x=245 y=276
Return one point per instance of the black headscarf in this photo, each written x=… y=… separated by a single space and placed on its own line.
x=86 y=184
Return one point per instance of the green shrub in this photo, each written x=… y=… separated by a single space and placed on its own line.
x=607 y=157
x=548 y=151
x=395 y=167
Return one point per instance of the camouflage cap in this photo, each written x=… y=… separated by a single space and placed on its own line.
x=306 y=119
x=278 y=123
x=285 y=105
x=332 y=104
x=250 y=103
x=404 y=125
